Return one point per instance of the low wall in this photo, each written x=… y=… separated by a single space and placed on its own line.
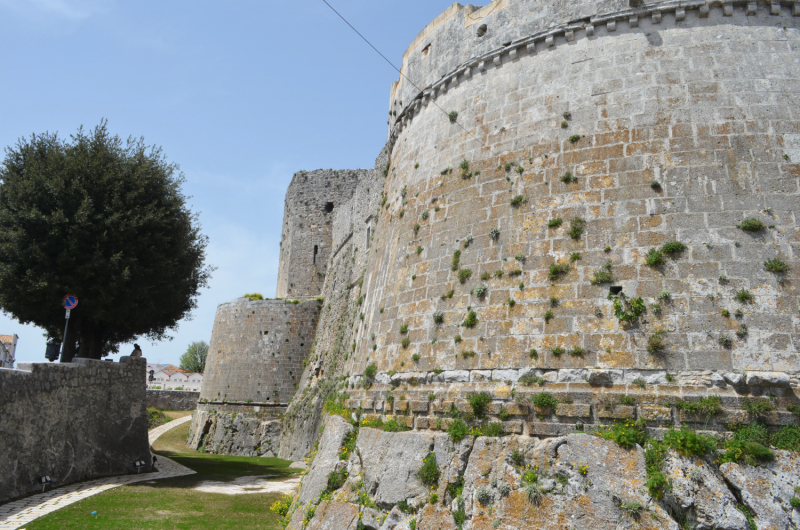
x=72 y=422
x=172 y=399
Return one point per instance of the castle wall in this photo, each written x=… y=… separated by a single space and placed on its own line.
x=256 y=353
x=673 y=122
x=703 y=106
x=451 y=42
x=172 y=399
x=306 y=238
x=71 y=422
x=340 y=320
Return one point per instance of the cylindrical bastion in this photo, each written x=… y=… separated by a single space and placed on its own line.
x=590 y=194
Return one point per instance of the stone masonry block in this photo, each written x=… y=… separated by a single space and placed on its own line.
x=419 y=406
x=752 y=9
x=513 y=427
x=611 y=26
x=656 y=17
x=680 y=14
x=733 y=416
x=775 y=8
x=618 y=412
x=550 y=429
x=577 y=410
x=727 y=9
x=656 y=413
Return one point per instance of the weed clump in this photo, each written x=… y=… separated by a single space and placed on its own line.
x=471 y=320
x=603 y=275
x=569 y=178
x=576 y=227
x=464 y=274
x=751 y=225
x=517 y=200
x=429 y=472
x=557 y=270
x=776 y=265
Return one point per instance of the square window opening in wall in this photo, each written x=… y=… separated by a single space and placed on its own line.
x=426 y=50
x=615 y=289
x=328 y=207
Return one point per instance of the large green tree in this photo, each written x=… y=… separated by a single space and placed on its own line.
x=194 y=358
x=104 y=219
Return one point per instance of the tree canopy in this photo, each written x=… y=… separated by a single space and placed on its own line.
x=103 y=219
x=194 y=359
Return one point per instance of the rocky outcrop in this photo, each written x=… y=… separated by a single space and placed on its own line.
x=766 y=490
x=239 y=434
x=520 y=482
x=326 y=459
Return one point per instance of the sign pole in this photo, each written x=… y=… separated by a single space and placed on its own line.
x=69 y=302
x=63 y=340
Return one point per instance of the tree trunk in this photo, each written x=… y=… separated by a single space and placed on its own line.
x=91 y=344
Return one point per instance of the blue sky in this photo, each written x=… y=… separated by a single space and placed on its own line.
x=241 y=94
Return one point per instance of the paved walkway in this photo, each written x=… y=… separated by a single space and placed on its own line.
x=19 y=513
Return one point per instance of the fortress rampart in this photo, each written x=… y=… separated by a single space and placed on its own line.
x=606 y=207
x=256 y=353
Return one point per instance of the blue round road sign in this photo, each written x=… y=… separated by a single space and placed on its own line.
x=70 y=301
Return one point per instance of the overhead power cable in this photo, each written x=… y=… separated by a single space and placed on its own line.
x=406 y=77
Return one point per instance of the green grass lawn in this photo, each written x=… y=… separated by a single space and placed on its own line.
x=172 y=503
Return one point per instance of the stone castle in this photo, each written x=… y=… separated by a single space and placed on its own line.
x=592 y=200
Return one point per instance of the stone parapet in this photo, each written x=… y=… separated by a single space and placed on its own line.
x=71 y=422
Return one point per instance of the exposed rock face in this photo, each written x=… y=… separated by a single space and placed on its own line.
x=582 y=481
x=326 y=460
x=767 y=489
x=699 y=491
x=240 y=434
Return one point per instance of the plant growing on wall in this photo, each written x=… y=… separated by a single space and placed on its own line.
x=517 y=200
x=554 y=223
x=471 y=320
x=576 y=225
x=655 y=344
x=743 y=296
x=424 y=214
x=673 y=247
x=438 y=317
x=626 y=310
x=453 y=116
x=569 y=178
x=494 y=233
x=481 y=290
x=654 y=258
x=456 y=260
x=751 y=225
x=557 y=270
x=464 y=274
x=776 y=265
x=603 y=275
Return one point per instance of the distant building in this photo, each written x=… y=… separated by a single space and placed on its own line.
x=8 y=350
x=170 y=377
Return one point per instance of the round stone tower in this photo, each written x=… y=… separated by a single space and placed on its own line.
x=588 y=193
